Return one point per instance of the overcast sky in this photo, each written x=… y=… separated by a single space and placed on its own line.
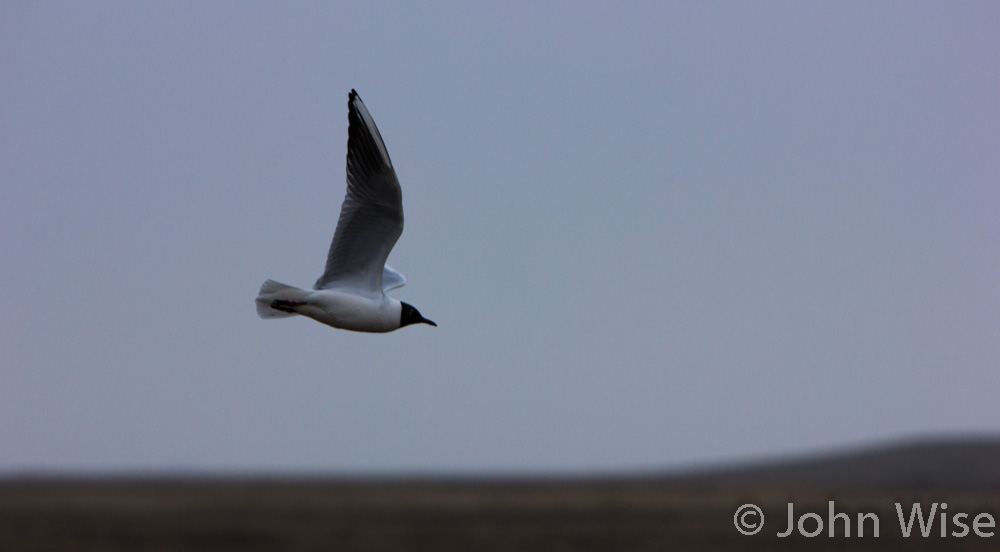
x=652 y=235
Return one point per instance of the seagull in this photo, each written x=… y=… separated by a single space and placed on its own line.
x=350 y=294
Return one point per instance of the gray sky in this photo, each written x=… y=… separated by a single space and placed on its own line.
x=651 y=234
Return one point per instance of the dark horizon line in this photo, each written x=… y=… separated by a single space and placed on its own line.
x=692 y=471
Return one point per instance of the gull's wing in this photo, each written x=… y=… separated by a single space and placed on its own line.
x=371 y=218
x=392 y=279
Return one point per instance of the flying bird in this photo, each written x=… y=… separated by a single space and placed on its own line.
x=351 y=292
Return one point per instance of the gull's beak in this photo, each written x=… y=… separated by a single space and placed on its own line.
x=431 y=322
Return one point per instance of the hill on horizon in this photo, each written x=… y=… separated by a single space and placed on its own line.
x=928 y=462
x=970 y=462
x=441 y=513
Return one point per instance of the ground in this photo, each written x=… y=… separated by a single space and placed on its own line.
x=621 y=514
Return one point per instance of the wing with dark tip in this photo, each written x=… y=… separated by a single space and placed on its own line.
x=371 y=218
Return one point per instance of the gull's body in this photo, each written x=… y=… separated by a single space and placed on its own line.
x=351 y=292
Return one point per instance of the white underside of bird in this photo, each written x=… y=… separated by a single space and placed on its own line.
x=351 y=292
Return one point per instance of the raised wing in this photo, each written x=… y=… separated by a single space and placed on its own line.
x=371 y=218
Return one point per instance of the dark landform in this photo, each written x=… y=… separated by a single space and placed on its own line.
x=691 y=510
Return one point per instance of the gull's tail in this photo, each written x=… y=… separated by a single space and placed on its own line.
x=277 y=300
